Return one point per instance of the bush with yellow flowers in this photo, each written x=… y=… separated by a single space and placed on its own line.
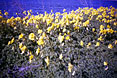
x=78 y=44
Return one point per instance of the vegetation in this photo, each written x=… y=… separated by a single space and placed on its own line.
x=78 y=44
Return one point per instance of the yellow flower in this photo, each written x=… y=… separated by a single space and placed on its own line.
x=24 y=12
x=115 y=42
x=93 y=29
x=89 y=44
x=101 y=27
x=30 y=58
x=31 y=36
x=64 y=10
x=60 y=56
x=97 y=44
x=76 y=27
x=105 y=63
x=103 y=31
x=115 y=23
x=86 y=23
x=108 y=26
x=100 y=38
x=56 y=20
x=38 y=50
x=70 y=67
x=20 y=45
x=40 y=41
x=67 y=38
x=64 y=29
x=37 y=26
x=47 y=61
x=49 y=29
x=60 y=38
x=110 y=31
x=81 y=43
x=6 y=13
x=10 y=42
x=48 y=21
x=0 y=16
x=44 y=34
x=20 y=36
x=23 y=49
x=110 y=46
x=65 y=34
x=39 y=31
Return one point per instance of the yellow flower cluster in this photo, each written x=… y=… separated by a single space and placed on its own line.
x=52 y=22
x=86 y=23
x=40 y=41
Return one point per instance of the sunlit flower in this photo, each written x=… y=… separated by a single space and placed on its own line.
x=10 y=42
x=0 y=16
x=93 y=29
x=30 y=58
x=24 y=12
x=115 y=23
x=49 y=29
x=81 y=43
x=67 y=37
x=47 y=61
x=64 y=30
x=100 y=38
x=20 y=36
x=76 y=27
x=70 y=67
x=97 y=44
x=38 y=50
x=115 y=42
x=101 y=27
x=105 y=63
x=6 y=13
x=39 y=31
x=31 y=36
x=89 y=44
x=60 y=56
x=37 y=26
x=40 y=41
x=103 y=31
x=20 y=45
x=56 y=20
x=86 y=23
x=110 y=31
x=44 y=34
x=23 y=49
x=60 y=38
x=110 y=46
x=108 y=26
x=64 y=10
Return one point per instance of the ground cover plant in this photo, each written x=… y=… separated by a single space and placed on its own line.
x=78 y=44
